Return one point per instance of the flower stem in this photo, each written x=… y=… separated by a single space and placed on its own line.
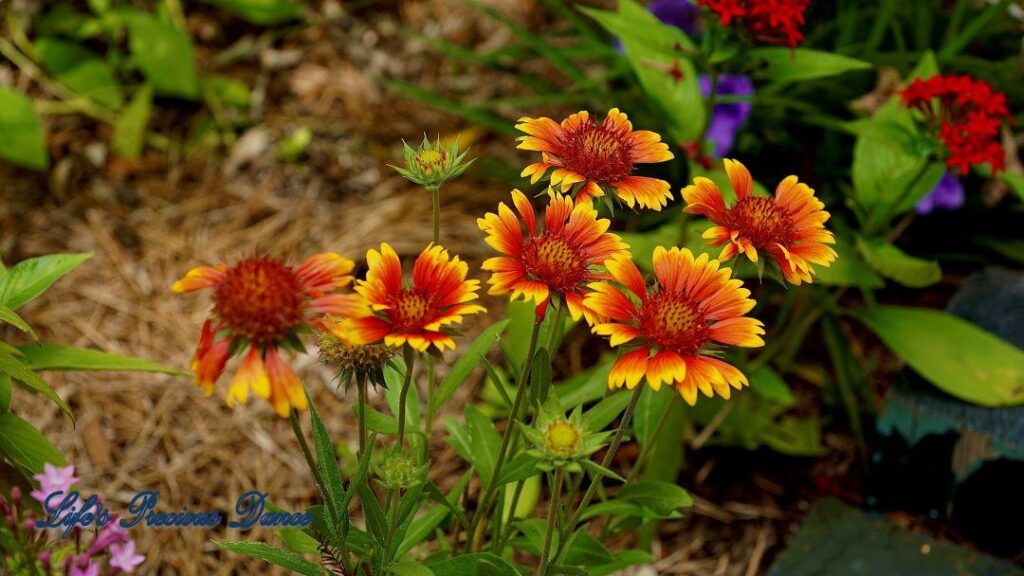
x=556 y=492
x=510 y=431
x=435 y=193
x=595 y=481
x=361 y=385
x=403 y=396
x=648 y=448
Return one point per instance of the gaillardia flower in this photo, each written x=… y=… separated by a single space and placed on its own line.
x=790 y=227
x=359 y=362
x=419 y=314
x=561 y=441
x=558 y=258
x=598 y=157
x=259 y=305
x=677 y=325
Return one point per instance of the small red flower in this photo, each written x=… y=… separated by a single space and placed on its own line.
x=772 y=21
x=966 y=114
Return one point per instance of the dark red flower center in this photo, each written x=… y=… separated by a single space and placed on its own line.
x=550 y=259
x=759 y=220
x=410 y=309
x=601 y=153
x=261 y=299
x=673 y=322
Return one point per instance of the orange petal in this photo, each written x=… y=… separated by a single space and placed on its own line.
x=739 y=176
x=199 y=278
x=629 y=370
x=665 y=367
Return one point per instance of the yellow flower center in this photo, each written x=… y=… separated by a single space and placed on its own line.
x=562 y=439
x=431 y=160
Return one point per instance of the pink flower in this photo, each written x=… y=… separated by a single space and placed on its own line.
x=111 y=534
x=53 y=480
x=92 y=569
x=124 y=558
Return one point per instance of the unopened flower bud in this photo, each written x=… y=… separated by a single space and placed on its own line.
x=400 y=470
x=45 y=559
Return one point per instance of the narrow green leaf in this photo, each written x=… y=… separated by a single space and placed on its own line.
x=272 y=555
x=891 y=262
x=23 y=142
x=130 y=128
x=57 y=357
x=467 y=362
x=261 y=12
x=164 y=55
x=29 y=278
x=485 y=442
x=25 y=446
x=81 y=70
x=5 y=393
x=957 y=356
x=11 y=317
x=33 y=383
x=767 y=384
x=663 y=498
x=327 y=461
x=605 y=412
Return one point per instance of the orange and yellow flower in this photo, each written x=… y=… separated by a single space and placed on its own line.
x=258 y=304
x=598 y=157
x=559 y=258
x=790 y=227
x=418 y=315
x=677 y=325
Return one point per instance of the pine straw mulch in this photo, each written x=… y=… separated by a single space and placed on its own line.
x=148 y=222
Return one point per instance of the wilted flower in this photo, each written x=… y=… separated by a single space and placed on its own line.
x=431 y=164
x=561 y=441
x=260 y=304
x=359 y=362
x=677 y=325
x=419 y=314
x=598 y=157
x=790 y=227
x=559 y=258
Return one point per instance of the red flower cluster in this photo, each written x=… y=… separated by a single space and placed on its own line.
x=967 y=114
x=774 y=21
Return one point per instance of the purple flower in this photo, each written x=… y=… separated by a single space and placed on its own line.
x=124 y=558
x=679 y=13
x=947 y=195
x=727 y=117
x=91 y=569
x=111 y=534
x=53 y=480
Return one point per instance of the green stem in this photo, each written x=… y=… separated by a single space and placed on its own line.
x=556 y=492
x=595 y=481
x=648 y=447
x=555 y=330
x=435 y=193
x=361 y=386
x=510 y=431
x=403 y=396
x=293 y=417
x=394 y=499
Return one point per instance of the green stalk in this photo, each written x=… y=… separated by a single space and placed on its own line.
x=403 y=397
x=361 y=386
x=510 y=431
x=435 y=193
x=595 y=481
x=556 y=492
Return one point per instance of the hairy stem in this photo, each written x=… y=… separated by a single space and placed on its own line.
x=556 y=492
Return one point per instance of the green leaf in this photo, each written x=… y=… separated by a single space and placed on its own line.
x=521 y=467
x=297 y=540
x=954 y=354
x=849 y=269
x=422 y=527
x=130 y=127
x=5 y=393
x=605 y=412
x=23 y=142
x=474 y=565
x=1015 y=182
x=11 y=317
x=81 y=70
x=893 y=263
x=662 y=498
x=58 y=357
x=796 y=64
x=648 y=411
x=652 y=49
x=272 y=555
x=378 y=421
x=410 y=568
x=327 y=461
x=164 y=55
x=585 y=550
x=261 y=12
x=25 y=446
x=485 y=443
x=29 y=278
x=31 y=382
x=376 y=521
x=767 y=384
x=467 y=362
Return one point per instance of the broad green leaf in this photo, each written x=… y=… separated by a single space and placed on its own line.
x=272 y=555
x=327 y=461
x=130 y=127
x=23 y=141
x=410 y=568
x=795 y=64
x=849 y=269
x=474 y=564
x=227 y=91
x=298 y=541
x=649 y=409
x=58 y=357
x=422 y=527
x=767 y=384
x=11 y=317
x=893 y=263
x=16 y=369
x=485 y=442
x=467 y=362
x=1015 y=182
x=622 y=560
x=957 y=356
x=533 y=530
x=586 y=386
x=378 y=421
x=25 y=446
x=585 y=550
x=663 y=498
x=605 y=412
x=164 y=55
x=64 y=20
x=521 y=467
x=376 y=521
x=653 y=49
x=81 y=70
x=29 y=278
x=796 y=436
x=261 y=12
x=5 y=393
